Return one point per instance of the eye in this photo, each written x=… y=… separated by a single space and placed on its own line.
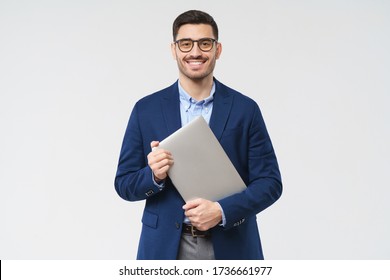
x=185 y=43
x=206 y=43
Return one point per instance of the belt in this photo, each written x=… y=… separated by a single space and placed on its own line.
x=190 y=229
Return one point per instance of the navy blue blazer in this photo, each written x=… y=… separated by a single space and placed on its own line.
x=237 y=123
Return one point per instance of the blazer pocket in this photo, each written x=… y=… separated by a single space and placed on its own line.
x=150 y=219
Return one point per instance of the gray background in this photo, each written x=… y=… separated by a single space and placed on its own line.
x=71 y=71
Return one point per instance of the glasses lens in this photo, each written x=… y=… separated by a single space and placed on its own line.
x=205 y=44
x=185 y=45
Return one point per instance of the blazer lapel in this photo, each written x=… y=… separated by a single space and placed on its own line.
x=222 y=105
x=170 y=104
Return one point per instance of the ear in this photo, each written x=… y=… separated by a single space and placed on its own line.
x=219 y=50
x=173 y=50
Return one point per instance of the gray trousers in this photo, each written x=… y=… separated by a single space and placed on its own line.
x=195 y=248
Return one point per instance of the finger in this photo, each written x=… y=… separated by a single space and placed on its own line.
x=162 y=167
x=154 y=144
x=192 y=203
x=191 y=217
x=162 y=154
x=161 y=171
x=157 y=156
x=157 y=165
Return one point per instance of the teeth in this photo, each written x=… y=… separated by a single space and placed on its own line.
x=196 y=62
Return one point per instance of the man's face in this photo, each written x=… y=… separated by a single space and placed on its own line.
x=196 y=64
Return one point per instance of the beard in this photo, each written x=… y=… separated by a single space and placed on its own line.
x=194 y=74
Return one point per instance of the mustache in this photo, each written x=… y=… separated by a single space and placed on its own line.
x=196 y=57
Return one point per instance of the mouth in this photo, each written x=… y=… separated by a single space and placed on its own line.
x=195 y=64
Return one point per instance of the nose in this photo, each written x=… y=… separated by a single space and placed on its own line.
x=196 y=50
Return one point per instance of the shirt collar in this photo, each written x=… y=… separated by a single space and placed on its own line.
x=188 y=100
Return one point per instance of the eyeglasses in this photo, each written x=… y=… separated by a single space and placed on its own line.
x=204 y=44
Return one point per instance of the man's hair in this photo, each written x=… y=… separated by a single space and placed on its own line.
x=194 y=17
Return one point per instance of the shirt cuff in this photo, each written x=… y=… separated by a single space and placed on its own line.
x=160 y=185
x=223 y=216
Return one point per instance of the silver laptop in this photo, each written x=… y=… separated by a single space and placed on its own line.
x=201 y=167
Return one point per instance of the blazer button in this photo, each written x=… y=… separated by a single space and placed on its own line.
x=177 y=225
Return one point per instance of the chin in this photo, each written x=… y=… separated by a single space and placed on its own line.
x=197 y=75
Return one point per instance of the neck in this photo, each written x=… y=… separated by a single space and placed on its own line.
x=197 y=89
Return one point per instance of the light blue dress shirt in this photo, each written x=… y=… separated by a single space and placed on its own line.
x=191 y=108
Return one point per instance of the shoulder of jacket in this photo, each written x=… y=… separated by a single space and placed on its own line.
x=156 y=96
x=237 y=95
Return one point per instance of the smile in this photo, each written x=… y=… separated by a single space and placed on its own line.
x=195 y=63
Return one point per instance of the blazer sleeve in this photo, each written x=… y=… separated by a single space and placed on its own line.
x=133 y=180
x=265 y=185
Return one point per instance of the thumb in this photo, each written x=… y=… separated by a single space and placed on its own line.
x=154 y=144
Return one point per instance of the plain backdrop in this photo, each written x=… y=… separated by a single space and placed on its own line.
x=71 y=72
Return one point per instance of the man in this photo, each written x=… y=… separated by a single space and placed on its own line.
x=198 y=229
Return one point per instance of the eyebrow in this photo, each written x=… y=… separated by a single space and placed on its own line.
x=197 y=39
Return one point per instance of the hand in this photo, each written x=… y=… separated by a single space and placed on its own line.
x=202 y=213
x=159 y=161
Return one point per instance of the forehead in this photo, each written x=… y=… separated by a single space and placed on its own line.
x=195 y=31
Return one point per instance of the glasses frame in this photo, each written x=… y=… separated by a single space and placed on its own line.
x=193 y=44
